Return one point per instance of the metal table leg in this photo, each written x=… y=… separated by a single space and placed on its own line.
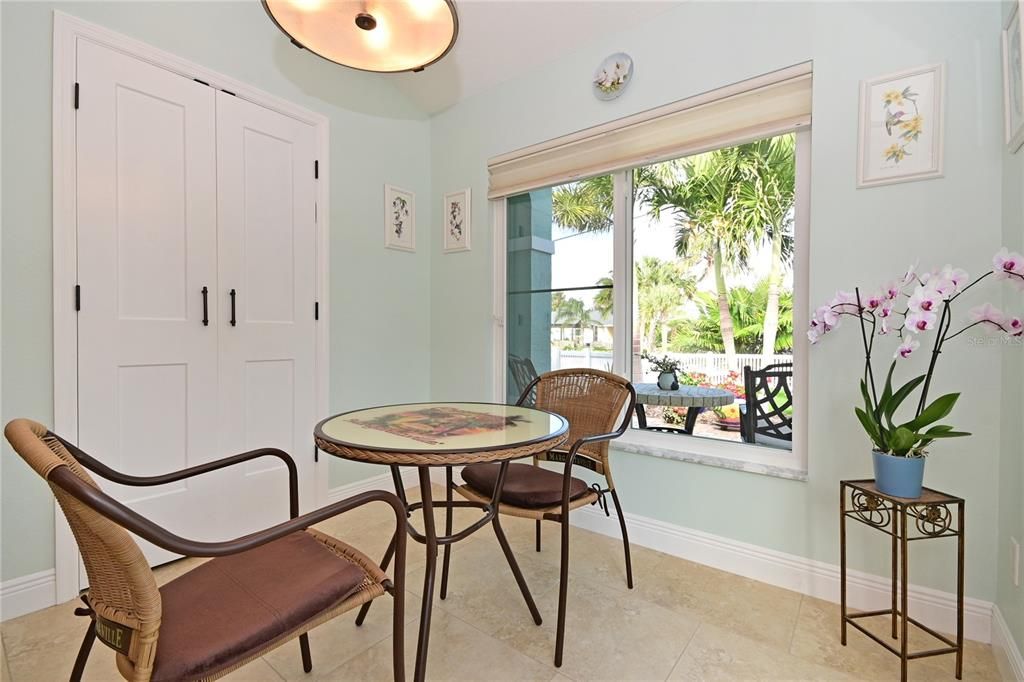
x=426 y=496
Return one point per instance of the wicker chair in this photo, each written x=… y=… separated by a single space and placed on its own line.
x=593 y=402
x=261 y=590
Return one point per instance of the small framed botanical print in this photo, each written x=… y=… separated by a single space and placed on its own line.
x=901 y=127
x=1013 y=78
x=458 y=209
x=399 y=218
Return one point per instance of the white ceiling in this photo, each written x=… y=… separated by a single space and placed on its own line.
x=500 y=39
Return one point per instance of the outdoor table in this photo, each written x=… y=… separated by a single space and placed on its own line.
x=428 y=435
x=694 y=398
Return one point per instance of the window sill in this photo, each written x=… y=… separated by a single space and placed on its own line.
x=725 y=455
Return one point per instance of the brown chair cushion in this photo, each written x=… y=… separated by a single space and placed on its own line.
x=231 y=607
x=526 y=485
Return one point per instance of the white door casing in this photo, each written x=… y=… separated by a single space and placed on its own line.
x=69 y=33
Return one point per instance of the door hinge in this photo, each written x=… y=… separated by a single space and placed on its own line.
x=228 y=92
x=201 y=82
x=316 y=169
x=316 y=310
x=76 y=94
x=78 y=297
x=316 y=454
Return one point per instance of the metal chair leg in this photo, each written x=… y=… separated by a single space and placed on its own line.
x=83 y=652
x=447 y=531
x=625 y=539
x=563 y=589
x=307 y=659
x=538 y=534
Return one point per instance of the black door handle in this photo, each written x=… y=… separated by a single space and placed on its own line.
x=206 y=312
x=232 y=295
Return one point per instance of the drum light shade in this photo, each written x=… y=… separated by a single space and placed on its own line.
x=386 y=36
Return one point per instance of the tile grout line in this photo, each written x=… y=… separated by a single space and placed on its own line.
x=796 y=622
x=682 y=653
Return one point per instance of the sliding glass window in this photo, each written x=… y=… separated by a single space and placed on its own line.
x=559 y=280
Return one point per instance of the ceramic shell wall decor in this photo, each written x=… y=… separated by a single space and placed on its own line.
x=613 y=76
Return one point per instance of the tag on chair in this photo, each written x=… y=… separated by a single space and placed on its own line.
x=118 y=637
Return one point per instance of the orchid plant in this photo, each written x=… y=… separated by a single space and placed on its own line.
x=909 y=308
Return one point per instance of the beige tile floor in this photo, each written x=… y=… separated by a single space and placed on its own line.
x=684 y=621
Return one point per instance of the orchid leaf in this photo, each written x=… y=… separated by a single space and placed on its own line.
x=902 y=441
x=941 y=407
x=883 y=402
x=870 y=427
x=899 y=396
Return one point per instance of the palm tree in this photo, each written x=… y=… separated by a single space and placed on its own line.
x=604 y=298
x=574 y=313
x=661 y=289
x=584 y=206
x=703 y=202
x=766 y=198
x=748 y=310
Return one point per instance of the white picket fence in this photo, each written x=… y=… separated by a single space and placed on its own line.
x=716 y=365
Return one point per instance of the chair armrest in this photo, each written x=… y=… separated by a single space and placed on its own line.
x=131 y=520
x=101 y=469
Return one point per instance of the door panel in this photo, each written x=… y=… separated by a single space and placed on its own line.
x=181 y=187
x=146 y=247
x=266 y=203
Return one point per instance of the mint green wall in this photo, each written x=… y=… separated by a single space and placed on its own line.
x=380 y=301
x=1010 y=599
x=857 y=236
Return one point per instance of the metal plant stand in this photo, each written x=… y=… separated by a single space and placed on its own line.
x=904 y=520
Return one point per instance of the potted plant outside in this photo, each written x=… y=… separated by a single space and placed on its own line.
x=910 y=308
x=667 y=368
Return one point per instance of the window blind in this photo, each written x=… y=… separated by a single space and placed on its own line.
x=760 y=107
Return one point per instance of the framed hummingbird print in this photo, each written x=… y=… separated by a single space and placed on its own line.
x=901 y=126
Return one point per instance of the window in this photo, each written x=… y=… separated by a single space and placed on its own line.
x=694 y=262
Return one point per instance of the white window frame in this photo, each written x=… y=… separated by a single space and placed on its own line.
x=743 y=456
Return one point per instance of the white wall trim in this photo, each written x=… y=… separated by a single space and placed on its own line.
x=1008 y=655
x=27 y=594
x=67 y=30
x=806 y=576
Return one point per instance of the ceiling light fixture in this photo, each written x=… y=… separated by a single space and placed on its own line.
x=384 y=36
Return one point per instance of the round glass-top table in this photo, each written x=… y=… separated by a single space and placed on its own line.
x=426 y=435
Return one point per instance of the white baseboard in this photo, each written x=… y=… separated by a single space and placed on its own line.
x=935 y=608
x=814 y=578
x=27 y=594
x=1008 y=655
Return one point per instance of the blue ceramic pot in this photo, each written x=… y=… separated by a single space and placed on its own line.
x=898 y=476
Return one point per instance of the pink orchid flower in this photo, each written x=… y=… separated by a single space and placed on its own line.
x=988 y=315
x=827 y=316
x=874 y=301
x=893 y=289
x=920 y=321
x=844 y=302
x=925 y=299
x=1015 y=326
x=909 y=345
x=886 y=309
x=1006 y=262
x=958 y=276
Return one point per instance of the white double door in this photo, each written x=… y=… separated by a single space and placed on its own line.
x=184 y=189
